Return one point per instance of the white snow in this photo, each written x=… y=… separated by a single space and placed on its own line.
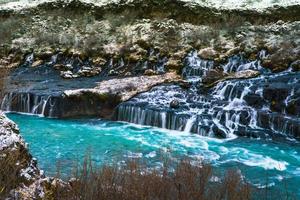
x=8 y=135
x=222 y=4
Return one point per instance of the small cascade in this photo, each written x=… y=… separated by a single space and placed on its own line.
x=195 y=67
x=163 y=119
x=233 y=107
x=123 y=66
x=189 y=124
x=260 y=106
x=27 y=103
x=238 y=63
x=29 y=59
x=53 y=60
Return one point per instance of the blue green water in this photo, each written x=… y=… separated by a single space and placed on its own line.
x=51 y=141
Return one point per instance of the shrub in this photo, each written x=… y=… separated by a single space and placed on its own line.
x=135 y=181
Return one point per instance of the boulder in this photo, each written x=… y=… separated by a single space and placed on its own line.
x=60 y=67
x=293 y=107
x=66 y=74
x=150 y=72
x=37 y=63
x=296 y=66
x=218 y=132
x=174 y=104
x=174 y=64
x=208 y=53
x=99 y=61
x=254 y=100
x=212 y=76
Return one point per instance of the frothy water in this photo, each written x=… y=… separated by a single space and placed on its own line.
x=263 y=106
x=266 y=106
x=263 y=163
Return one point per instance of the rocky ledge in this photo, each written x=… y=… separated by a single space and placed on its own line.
x=18 y=168
x=20 y=176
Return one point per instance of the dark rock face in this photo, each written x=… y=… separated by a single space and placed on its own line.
x=61 y=106
x=296 y=66
x=276 y=92
x=293 y=107
x=86 y=104
x=279 y=123
x=254 y=100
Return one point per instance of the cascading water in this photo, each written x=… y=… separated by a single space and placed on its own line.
x=265 y=105
x=28 y=103
x=239 y=106
x=195 y=66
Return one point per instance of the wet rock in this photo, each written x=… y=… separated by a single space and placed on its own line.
x=208 y=53
x=174 y=104
x=113 y=72
x=218 y=132
x=60 y=67
x=244 y=74
x=135 y=57
x=275 y=66
x=185 y=85
x=174 y=64
x=277 y=106
x=296 y=66
x=276 y=92
x=99 y=61
x=150 y=72
x=37 y=63
x=254 y=100
x=279 y=123
x=44 y=54
x=87 y=71
x=293 y=107
x=67 y=74
x=213 y=76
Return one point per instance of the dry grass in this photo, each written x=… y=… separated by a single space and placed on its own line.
x=135 y=182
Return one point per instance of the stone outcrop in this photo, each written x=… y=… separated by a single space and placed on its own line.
x=108 y=94
x=214 y=77
x=18 y=168
x=20 y=176
x=97 y=99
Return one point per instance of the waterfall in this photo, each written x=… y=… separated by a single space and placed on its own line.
x=163 y=119
x=189 y=124
x=27 y=103
x=237 y=106
x=195 y=67
x=226 y=110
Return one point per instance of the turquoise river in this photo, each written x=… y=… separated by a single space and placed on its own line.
x=264 y=163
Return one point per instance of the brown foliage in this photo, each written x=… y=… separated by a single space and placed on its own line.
x=134 y=182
